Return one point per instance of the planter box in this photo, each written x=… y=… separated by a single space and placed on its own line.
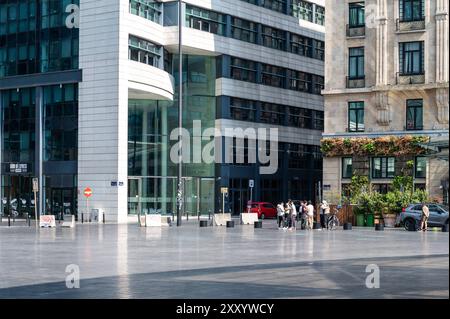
x=390 y=220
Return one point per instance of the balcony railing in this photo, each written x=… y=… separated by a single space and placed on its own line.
x=406 y=79
x=358 y=31
x=356 y=83
x=410 y=25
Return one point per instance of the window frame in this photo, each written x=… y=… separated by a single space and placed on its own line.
x=402 y=9
x=414 y=126
x=343 y=165
x=357 y=6
x=384 y=167
x=416 y=166
x=353 y=58
x=404 y=69
x=357 y=109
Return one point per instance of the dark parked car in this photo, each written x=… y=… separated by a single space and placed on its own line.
x=413 y=214
x=263 y=209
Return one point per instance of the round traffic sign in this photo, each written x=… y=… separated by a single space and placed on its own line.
x=87 y=192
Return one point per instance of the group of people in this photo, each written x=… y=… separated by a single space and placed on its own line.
x=288 y=215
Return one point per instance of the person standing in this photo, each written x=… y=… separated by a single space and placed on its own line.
x=310 y=209
x=293 y=213
x=324 y=214
x=425 y=216
x=280 y=215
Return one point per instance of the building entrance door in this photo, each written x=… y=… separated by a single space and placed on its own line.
x=134 y=196
x=62 y=202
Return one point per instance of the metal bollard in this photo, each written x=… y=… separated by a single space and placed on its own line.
x=82 y=218
x=104 y=220
x=29 y=220
x=9 y=220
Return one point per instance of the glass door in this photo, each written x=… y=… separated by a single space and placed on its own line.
x=134 y=196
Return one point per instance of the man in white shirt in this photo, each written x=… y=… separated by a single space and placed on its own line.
x=310 y=220
x=280 y=215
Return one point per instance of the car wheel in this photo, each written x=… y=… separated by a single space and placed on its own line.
x=408 y=223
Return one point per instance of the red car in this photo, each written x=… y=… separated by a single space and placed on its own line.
x=263 y=209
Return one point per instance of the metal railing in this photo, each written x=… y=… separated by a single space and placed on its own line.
x=410 y=25
x=358 y=31
x=355 y=83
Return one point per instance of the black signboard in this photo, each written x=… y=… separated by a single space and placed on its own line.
x=16 y=168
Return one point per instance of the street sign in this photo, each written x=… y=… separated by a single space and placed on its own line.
x=224 y=190
x=87 y=192
x=35 y=185
x=251 y=183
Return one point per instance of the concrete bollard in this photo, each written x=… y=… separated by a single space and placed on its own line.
x=348 y=226
x=230 y=224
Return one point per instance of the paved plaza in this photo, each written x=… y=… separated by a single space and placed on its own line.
x=191 y=262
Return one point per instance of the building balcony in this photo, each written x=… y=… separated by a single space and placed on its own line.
x=407 y=79
x=358 y=31
x=410 y=25
x=356 y=83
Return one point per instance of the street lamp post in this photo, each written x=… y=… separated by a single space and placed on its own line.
x=180 y=115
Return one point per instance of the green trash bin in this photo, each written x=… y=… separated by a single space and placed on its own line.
x=370 y=221
x=360 y=220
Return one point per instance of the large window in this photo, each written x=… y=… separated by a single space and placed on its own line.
x=421 y=167
x=347 y=167
x=320 y=15
x=205 y=20
x=273 y=75
x=148 y=9
x=243 y=70
x=301 y=45
x=272 y=113
x=414 y=114
x=383 y=167
x=273 y=38
x=299 y=156
x=356 y=117
x=299 y=81
x=319 y=50
x=144 y=51
x=299 y=117
x=412 y=10
x=357 y=15
x=61 y=122
x=244 y=30
x=243 y=110
x=411 y=58
x=276 y=5
x=302 y=10
x=356 y=63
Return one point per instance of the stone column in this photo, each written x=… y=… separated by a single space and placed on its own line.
x=381 y=44
x=442 y=105
x=442 y=40
x=382 y=104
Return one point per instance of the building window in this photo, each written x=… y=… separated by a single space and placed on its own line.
x=414 y=114
x=302 y=10
x=273 y=38
x=320 y=15
x=421 y=167
x=144 y=51
x=319 y=50
x=299 y=117
x=356 y=63
x=319 y=84
x=148 y=9
x=411 y=58
x=276 y=5
x=301 y=45
x=357 y=17
x=299 y=81
x=356 y=117
x=244 y=30
x=412 y=10
x=205 y=20
x=243 y=70
x=243 y=110
x=273 y=75
x=319 y=122
x=347 y=167
x=272 y=113
x=299 y=156
x=383 y=167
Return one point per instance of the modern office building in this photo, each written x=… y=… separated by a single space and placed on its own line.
x=387 y=77
x=89 y=98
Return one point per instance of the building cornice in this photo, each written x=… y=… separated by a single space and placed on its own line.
x=413 y=87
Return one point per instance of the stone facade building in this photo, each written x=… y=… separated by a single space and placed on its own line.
x=387 y=74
